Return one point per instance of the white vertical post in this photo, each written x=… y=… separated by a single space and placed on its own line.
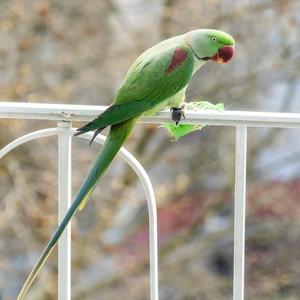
x=153 y=250
x=239 y=212
x=153 y=238
x=64 y=202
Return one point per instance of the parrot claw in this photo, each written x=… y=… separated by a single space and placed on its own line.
x=177 y=114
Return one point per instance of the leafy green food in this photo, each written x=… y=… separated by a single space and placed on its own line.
x=177 y=132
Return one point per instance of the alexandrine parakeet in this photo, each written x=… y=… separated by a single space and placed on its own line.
x=157 y=79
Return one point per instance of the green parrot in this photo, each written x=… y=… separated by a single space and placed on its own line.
x=157 y=79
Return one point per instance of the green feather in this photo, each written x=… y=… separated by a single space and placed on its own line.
x=149 y=80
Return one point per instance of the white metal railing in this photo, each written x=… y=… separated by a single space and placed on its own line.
x=64 y=114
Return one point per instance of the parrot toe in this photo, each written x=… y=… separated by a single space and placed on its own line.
x=177 y=114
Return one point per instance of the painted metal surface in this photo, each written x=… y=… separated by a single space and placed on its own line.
x=66 y=113
x=62 y=112
x=239 y=213
x=64 y=202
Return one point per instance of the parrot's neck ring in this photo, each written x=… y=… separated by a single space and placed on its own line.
x=206 y=58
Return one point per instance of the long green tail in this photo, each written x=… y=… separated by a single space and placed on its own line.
x=117 y=136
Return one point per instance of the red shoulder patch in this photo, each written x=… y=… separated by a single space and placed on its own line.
x=178 y=57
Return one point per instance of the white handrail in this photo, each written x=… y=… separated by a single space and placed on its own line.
x=63 y=112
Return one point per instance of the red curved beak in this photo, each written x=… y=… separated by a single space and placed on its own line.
x=224 y=54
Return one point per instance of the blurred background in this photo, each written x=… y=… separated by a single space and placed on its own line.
x=77 y=52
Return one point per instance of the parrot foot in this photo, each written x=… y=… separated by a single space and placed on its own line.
x=177 y=114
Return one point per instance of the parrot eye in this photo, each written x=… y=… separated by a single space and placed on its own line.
x=214 y=39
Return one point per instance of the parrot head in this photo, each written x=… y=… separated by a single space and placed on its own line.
x=210 y=44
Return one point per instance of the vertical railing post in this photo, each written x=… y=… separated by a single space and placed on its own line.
x=239 y=212
x=153 y=244
x=64 y=202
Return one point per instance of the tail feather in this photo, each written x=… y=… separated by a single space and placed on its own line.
x=117 y=136
x=95 y=135
x=87 y=128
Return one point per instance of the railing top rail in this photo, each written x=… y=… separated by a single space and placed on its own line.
x=40 y=111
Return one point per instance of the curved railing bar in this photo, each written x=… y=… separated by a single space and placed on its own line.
x=145 y=180
x=142 y=175
x=27 y=138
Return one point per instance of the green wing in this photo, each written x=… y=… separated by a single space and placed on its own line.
x=146 y=85
x=148 y=78
x=115 y=114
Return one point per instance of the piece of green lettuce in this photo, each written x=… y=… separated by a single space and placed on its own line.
x=177 y=132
